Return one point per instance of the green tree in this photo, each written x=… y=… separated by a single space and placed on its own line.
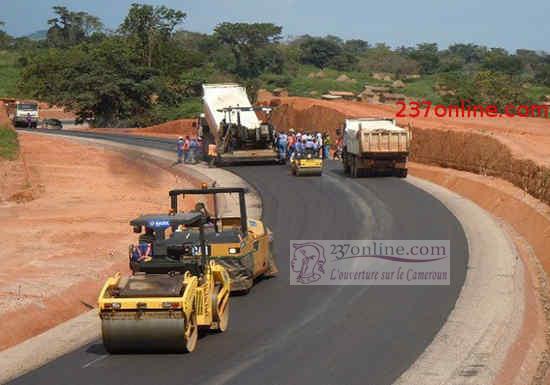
x=542 y=75
x=497 y=59
x=344 y=62
x=70 y=28
x=382 y=58
x=470 y=53
x=356 y=47
x=251 y=47
x=426 y=54
x=485 y=87
x=5 y=39
x=103 y=82
x=149 y=28
x=319 y=51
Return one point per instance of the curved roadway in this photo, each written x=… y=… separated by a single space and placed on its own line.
x=282 y=334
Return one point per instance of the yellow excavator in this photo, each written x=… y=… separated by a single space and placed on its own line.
x=175 y=289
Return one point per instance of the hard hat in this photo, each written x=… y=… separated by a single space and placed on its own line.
x=181 y=137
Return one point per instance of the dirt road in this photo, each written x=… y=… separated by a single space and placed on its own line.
x=59 y=247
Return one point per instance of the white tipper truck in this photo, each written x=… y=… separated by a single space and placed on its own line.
x=231 y=129
x=26 y=114
x=372 y=145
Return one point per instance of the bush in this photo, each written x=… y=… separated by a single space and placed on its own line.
x=276 y=81
x=9 y=145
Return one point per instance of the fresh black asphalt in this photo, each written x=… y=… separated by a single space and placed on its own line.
x=283 y=334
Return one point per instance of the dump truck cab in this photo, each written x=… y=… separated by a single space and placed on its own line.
x=26 y=114
x=243 y=246
x=173 y=292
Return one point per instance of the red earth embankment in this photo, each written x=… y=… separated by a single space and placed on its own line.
x=171 y=129
x=59 y=247
x=515 y=149
x=14 y=181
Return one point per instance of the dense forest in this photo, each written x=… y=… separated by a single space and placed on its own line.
x=150 y=68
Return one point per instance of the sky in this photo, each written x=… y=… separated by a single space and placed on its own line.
x=493 y=23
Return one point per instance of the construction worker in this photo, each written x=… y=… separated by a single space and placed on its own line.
x=186 y=146
x=180 y=148
x=193 y=147
x=282 y=143
x=148 y=236
x=326 y=147
x=142 y=252
x=212 y=153
x=291 y=143
x=339 y=148
x=319 y=143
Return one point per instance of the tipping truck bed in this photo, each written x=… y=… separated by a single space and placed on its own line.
x=375 y=145
x=219 y=96
x=231 y=126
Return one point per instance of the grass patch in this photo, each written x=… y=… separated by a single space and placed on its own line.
x=422 y=89
x=537 y=93
x=303 y=85
x=9 y=74
x=9 y=145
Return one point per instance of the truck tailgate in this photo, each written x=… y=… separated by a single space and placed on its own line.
x=384 y=141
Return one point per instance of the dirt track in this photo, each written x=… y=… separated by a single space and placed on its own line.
x=169 y=130
x=60 y=246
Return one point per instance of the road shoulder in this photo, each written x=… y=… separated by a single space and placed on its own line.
x=496 y=333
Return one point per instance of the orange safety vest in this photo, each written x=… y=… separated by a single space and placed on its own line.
x=212 y=151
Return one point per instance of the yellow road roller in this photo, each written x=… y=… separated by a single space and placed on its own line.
x=307 y=162
x=243 y=246
x=175 y=289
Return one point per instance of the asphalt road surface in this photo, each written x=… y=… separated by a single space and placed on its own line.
x=282 y=334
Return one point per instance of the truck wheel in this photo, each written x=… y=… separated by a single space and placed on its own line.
x=354 y=171
x=346 y=168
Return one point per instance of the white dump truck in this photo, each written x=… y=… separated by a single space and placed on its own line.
x=373 y=145
x=25 y=114
x=231 y=129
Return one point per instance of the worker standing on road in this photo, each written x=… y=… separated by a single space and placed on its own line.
x=326 y=146
x=186 y=146
x=180 y=148
x=291 y=143
x=282 y=143
x=338 y=150
x=299 y=147
x=193 y=146
x=29 y=120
